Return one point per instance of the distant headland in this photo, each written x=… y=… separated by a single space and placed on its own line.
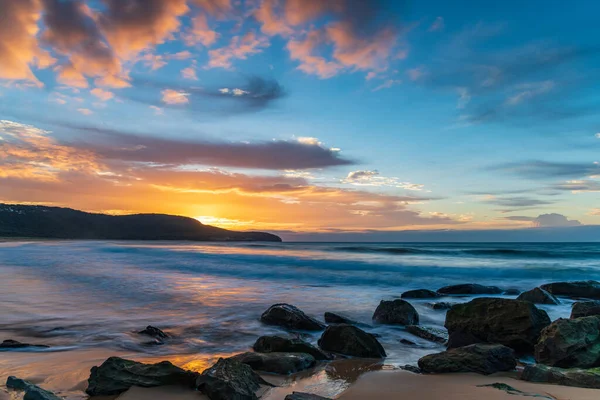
x=64 y=223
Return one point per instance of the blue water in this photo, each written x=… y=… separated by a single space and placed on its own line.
x=76 y=295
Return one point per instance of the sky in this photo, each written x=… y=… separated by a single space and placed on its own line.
x=305 y=117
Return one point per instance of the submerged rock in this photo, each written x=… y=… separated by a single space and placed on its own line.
x=538 y=296
x=420 y=294
x=290 y=317
x=304 y=396
x=511 y=292
x=277 y=363
x=513 y=323
x=411 y=368
x=428 y=333
x=278 y=344
x=480 y=358
x=351 y=341
x=397 y=312
x=441 y=305
x=32 y=392
x=229 y=379
x=470 y=288
x=154 y=332
x=13 y=344
x=333 y=318
x=569 y=343
x=585 y=309
x=116 y=375
x=587 y=289
x=567 y=377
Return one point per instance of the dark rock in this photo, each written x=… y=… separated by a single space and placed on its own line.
x=428 y=333
x=32 y=392
x=569 y=343
x=351 y=341
x=513 y=323
x=585 y=309
x=469 y=288
x=515 y=392
x=333 y=318
x=442 y=305
x=230 y=380
x=116 y=375
x=288 y=316
x=586 y=289
x=304 y=396
x=277 y=363
x=411 y=368
x=397 y=311
x=271 y=344
x=480 y=358
x=512 y=292
x=154 y=332
x=419 y=294
x=407 y=342
x=538 y=296
x=13 y=344
x=566 y=377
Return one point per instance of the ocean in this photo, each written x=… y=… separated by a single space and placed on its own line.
x=86 y=299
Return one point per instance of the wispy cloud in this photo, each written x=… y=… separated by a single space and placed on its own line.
x=373 y=178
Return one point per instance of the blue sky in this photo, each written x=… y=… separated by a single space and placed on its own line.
x=305 y=116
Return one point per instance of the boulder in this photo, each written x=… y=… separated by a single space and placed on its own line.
x=569 y=343
x=277 y=363
x=32 y=392
x=229 y=379
x=304 y=396
x=420 y=294
x=566 y=377
x=441 y=305
x=290 y=317
x=513 y=323
x=351 y=341
x=411 y=368
x=585 y=289
x=333 y=318
x=116 y=375
x=154 y=332
x=469 y=288
x=480 y=358
x=511 y=292
x=538 y=296
x=397 y=312
x=13 y=344
x=428 y=333
x=270 y=344
x=585 y=309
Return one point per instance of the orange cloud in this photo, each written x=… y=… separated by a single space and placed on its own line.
x=303 y=51
x=215 y=7
x=102 y=94
x=240 y=47
x=19 y=49
x=200 y=32
x=170 y=96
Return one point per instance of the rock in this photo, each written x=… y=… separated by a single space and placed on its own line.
x=407 y=342
x=469 y=288
x=13 y=344
x=585 y=309
x=515 y=392
x=32 y=392
x=154 y=332
x=442 y=305
x=586 y=289
x=569 y=343
x=333 y=318
x=538 y=296
x=512 y=292
x=304 y=396
x=116 y=375
x=411 y=368
x=270 y=344
x=480 y=358
x=513 y=323
x=277 y=363
x=428 y=333
x=229 y=379
x=397 y=311
x=419 y=294
x=566 y=377
x=351 y=341
x=290 y=317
